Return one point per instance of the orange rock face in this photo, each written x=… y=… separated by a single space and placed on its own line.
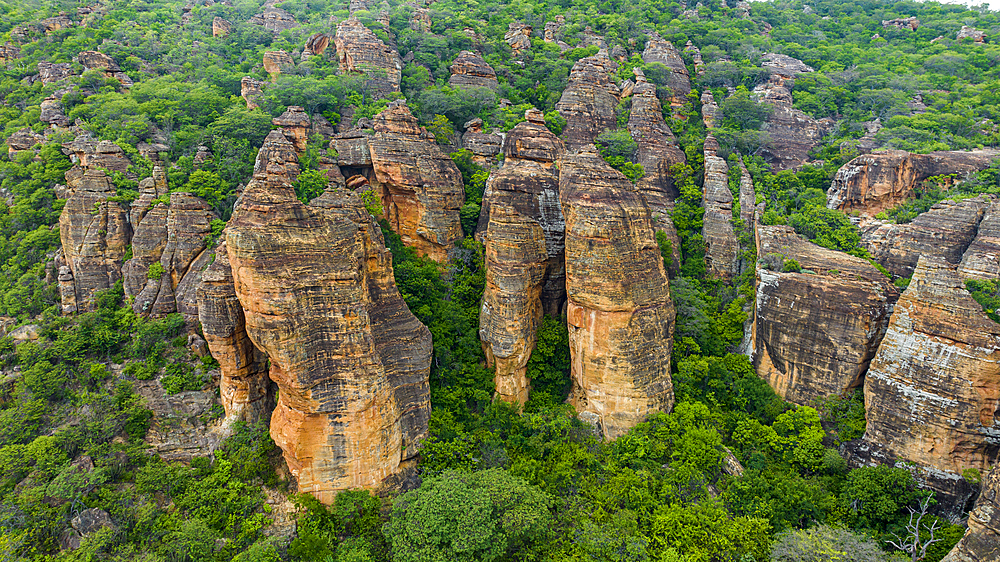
x=524 y=240
x=933 y=390
x=360 y=50
x=814 y=334
x=981 y=542
x=277 y=62
x=620 y=315
x=422 y=189
x=295 y=124
x=350 y=360
x=470 y=70
x=589 y=100
x=721 y=248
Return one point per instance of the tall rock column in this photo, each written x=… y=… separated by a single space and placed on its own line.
x=524 y=239
x=351 y=362
x=589 y=100
x=360 y=50
x=720 y=237
x=981 y=542
x=620 y=315
x=422 y=189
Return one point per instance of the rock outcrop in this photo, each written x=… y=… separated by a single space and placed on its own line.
x=94 y=233
x=277 y=63
x=879 y=181
x=721 y=248
x=589 y=100
x=221 y=27
x=971 y=33
x=525 y=241
x=932 y=393
x=981 y=542
x=94 y=60
x=620 y=315
x=9 y=51
x=91 y=153
x=274 y=19
x=910 y=23
x=316 y=45
x=351 y=362
x=360 y=50
x=791 y=133
x=946 y=231
x=815 y=331
x=518 y=36
x=483 y=146
x=252 y=92
x=422 y=189
x=470 y=71
x=659 y=50
x=982 y=259
x=294 y=123
x=52 y=113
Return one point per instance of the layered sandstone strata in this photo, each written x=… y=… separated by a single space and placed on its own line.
x=350 y=360
x=815 y=331
x=422 y=189
x=294 y=123
x=659 y=50
x=274 y=19
x=790 y=132
x=252 y=92
x=277 y=63
x=981 y=542
x=620 y=315
x=470 y=71
x=221 y=27
x=721 y=248
x=360 y=50
x=982 y=259
x=95 y=60
x=589 y=100
x=879 y=181
x=483 y=146
x=932 y=392
x=524 y=241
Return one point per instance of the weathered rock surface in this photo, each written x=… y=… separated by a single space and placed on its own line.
x=483 y=146
x=932 y=392
x=879 y=181
x=251 y=91
x=620 y=315
x=910 y=23
x=525 y=241
x=52 y=113
x=9 y=51
x=971 y=33
x=982 y=259
x=981 y=542
x=710 y=112
x=56 y=23
x=24 y=139
x=294 y=123
x=589 y=100
x=422 y=189
x=51 y=73
x=661 y=51
x=721 y=248
x=317 y=44
x=814 y=334
x=221 y=27
x=94 y=60
x=657 y=147
x=518 y=36
x=277 y=63
x=351 y=362
x=946 y=231
x=178 y=430
x=470 y=71
x=94 y=233
x=90 y=153
x=274 y=19
x=791 y=133
x=360 y=50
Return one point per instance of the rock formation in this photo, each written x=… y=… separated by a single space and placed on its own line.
x=910 y=23
x=23 y=139
x=589 y=100
x=422 y=189
x=94 y=233
x=274 y=19
x=90 y=153
x=525 y=241
x=721 y=249
x=360 y=50
x=483 y=146
x=294 y=123
x=971 y=33
x=659 y=50
x=945 y=231
x=277 y=62
x=251 y=92
x=982 y=259
x=981 y=542
x=791 y=133
x=932 y=392
x=56 y=23
x=518 y=36
x=94 y=60
x=9 y=51
x=470 y=71
x=815 y=331
x=657 y=147
x=620 y=315
x=52 y=113
x=221 y=27
x=316 y=44
x=879 y=181
x=350 y=360
x=710 y=112
x=51 y=73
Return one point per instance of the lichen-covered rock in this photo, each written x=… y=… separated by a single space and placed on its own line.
x=352 y=148
x=483 y=146
x=244 y=387
x=791 y=133
x=815 y=331
x=294 y=123
x=589 y=100
x=470 y=71
x=981 y=542
x=277 y=63
x=178 y=429
x=251 y=91
x=524 y=240
x=94 y=233
x=52 y=113
x=360 y=50
x=274 y=19
x=221 y=27
x=721 y=248
x=350 y=360
x=518 y=36
x=876 y=182
x=51 y=73
x=659 y=50
x=982 y=259
x=932 y=391
x=945 y=231
x=620 y=315
x=422 y=189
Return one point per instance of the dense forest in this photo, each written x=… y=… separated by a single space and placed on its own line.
x=104 y=412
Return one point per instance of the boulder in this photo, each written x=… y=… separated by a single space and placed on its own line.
x=52 y=113
x=51 y=73
x=518 y=36
x=277 y=63
x=589 y=100
x=274 y=19
x=422 y=189
x=251 y=92
x=620 y=315
x=23 y=139
x=815 y=331
x=95 y=60
x=971 y=33
x=469 y=70
x=359 y=50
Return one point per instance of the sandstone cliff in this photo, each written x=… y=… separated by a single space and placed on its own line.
x=933 y=390
x=721 y=249
x=659 y=50
x=982 y=259
x=791 y=133
x=525 y=241
x=422 y=188
x=981 y=542
x=946 y=231
x=470 y=71
x=620 y=314
x=814 y=334
x=350 y=360
x=360 y=50
x=879 y=181
x=589 y=100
